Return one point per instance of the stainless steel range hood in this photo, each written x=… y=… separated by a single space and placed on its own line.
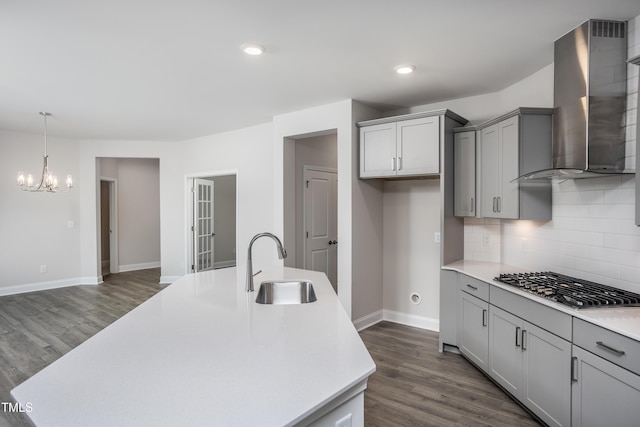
x=590 y=92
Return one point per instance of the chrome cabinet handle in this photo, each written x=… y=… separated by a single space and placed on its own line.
x=499 y=204
x=472 y=205
x=399 y=163
x=524 y=337
x=611 y=349
x=494 y=204
x=517 y=336
x=333 y=242
x=472 y=287
x=574 y=369
x=393 y=163
x=484 y=317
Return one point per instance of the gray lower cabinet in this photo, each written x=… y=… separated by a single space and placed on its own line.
x=605 y=378
x=473 y=338
x=567 y=371
x=603 y=394
x=531 y=364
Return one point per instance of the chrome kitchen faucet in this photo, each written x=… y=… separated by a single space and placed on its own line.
x=282 y=253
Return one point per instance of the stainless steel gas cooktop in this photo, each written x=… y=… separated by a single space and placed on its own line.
x=570 y=291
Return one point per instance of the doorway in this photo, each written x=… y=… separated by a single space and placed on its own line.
x=128 y=214
x=317 y=151
x=108 y=226
x=212 y=213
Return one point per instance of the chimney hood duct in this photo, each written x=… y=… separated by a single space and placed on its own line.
x=590 y=93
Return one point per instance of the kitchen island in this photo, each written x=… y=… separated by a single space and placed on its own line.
x=202 y=352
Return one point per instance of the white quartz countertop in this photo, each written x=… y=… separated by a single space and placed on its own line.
x=623 y=320
x=203 y=353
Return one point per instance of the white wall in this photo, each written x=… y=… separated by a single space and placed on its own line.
x=247 y=153
x=354 y=280
x=89 y=152
x=411 y=258
x=34 y=227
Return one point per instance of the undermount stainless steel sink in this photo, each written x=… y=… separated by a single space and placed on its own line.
x=286 y=292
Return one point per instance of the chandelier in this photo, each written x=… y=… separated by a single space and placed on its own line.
x=48 y=181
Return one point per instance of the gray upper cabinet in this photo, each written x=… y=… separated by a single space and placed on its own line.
x=510 y=146
x=403 y=146
x=464 y=169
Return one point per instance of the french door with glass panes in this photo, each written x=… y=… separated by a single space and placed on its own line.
x=203 y=230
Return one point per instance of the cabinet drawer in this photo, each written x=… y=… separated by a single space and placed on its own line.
x=616 y=348
x=547 y=318
x=474 y=287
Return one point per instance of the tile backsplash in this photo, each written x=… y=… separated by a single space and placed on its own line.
x=592 y=234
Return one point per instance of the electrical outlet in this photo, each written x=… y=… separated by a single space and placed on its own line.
x=43 y=268
x=523 y=249
x=485 y=240
x=436 y=237
x=344 y=421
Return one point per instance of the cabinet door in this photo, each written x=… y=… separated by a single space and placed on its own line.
x=509 y=168
x=546 y=365
x=505 y=350
x=418 y=146
x=378 y=150
x=474 y=329
x=464 y=173
x=603 y=394
x=490 y=175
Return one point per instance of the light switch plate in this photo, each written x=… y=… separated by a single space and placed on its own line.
x=436 y=237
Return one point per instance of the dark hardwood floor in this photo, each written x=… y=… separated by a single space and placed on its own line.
x=416 y=385
x=37 y=328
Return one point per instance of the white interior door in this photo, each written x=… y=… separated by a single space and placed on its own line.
x=320 y=222
x=203 y=230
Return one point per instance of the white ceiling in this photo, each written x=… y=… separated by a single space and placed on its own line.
x=173 y=69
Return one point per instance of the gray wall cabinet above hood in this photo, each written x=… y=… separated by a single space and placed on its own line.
x=590 y=93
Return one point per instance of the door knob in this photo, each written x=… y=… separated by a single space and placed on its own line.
x=333 y=242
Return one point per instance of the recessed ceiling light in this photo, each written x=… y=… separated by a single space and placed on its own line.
x=252 y=49
x=405 y=69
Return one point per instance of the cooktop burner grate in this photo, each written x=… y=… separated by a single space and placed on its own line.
x=568 y=290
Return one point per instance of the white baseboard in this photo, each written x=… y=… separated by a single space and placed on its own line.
x=224 y=264
x=397 y=317
x=368 y=320
x=142 y=266
x=42 y=286
x=167 y=280
x=412 y=320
